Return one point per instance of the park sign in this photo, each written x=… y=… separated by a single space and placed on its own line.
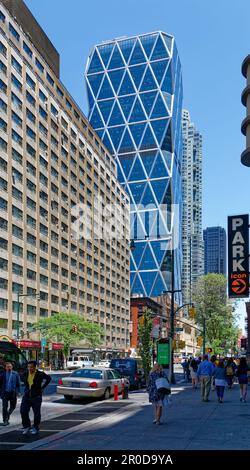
x=238 y=256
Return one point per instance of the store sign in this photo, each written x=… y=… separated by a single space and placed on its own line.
x=57 y=346
x=238 y=256
x=28 y=344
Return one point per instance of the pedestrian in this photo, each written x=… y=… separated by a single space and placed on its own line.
x=219 y=374
x=241 y=373
x=213 y=361
x=230 y=372
x=204 y=374
x=35 y=382
x=193 y=371
x=10 y=387
x=184 y=366
x=155 y=396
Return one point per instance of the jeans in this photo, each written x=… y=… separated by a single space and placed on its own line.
x=205 y=386
x=8 y=398
x=220 y=391
x=35 y=403
x=230 y=380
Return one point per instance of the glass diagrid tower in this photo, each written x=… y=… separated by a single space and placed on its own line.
x=134 y=88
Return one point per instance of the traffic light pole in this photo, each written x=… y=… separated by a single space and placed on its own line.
x=204 y=335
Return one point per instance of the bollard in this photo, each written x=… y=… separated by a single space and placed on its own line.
x=123 y=391
x=115 y=392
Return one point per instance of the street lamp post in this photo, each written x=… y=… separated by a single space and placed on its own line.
x=19 y=294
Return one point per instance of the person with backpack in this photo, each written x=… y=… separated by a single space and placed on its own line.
x=193 y=371
x=241 y=373
x=156 y=393
x=230 y=372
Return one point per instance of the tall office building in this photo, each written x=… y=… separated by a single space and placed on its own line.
x=192 y=240
x=215 y=250
x=134 y=88
x=51 y=161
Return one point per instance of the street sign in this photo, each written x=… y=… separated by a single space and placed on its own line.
x=178 y=330
x=238 y=256
x=163 y=353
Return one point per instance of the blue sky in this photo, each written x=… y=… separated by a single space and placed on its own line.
x=213 y=38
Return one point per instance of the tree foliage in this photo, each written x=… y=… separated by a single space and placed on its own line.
x=60 y=327
x=145 y=342
x=210 y=297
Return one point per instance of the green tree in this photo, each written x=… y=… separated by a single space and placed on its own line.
x=210 y=297
x=145 y=342
x=69 y=328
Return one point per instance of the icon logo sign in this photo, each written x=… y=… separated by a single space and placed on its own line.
x=238 y=256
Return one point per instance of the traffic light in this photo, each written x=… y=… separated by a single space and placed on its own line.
x=74 y=329
x=181 y=344
x=192 y=312
x=199 y=341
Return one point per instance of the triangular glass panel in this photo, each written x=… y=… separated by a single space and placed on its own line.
x=126 y=103
x=159 y=68
x=95 y=64
x=106 y=90
x=159 y=250
x=159 y=188
x=105 y=108
x=116 y=60
x=168 y=159
x=148 y=279
x=137 y=132
x=91 y=100
x=126 y=48
x=100 y=132
x=127 y=87
x=116 y=116
x=95 y=82
x=96 y=120
x=115 y=135
x=139 y=232
x=148 y=42
x=148 y=82
x=137 y=287
x=148 y=100
x=137 y=172
x=137 y=56
x=168 y=100
x=106 y=141
x=160 y=129
x=138 y=252
x=150 y=217
x=132 y=264
x=168 y=40
x=147 y=261
x=159 y=170
x=132 y=278
x=137 y=73
x=167 y=142
x=167 y=84
x=105 y=51
x=148 y=197
x=137 y=113
x=160 y=51
x=126 y=162
x=120 y=175
x=158 y=287
x=137 y=191
x=160 y=110
x=148 y=141
x=116 y=78
x=148 y=159
x=127 y=144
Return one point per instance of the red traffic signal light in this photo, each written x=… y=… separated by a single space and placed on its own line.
x=74 y=329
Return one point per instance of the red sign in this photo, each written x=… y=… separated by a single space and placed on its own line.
x=28 y=344
x=57 y=346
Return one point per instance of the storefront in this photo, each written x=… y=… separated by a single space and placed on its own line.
x=30 y=348
x=51 y=356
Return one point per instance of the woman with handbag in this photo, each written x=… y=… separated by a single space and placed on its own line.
x=158 y=388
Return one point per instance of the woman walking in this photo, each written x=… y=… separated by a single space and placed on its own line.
x=219 y=375
x=241 y=373
x=155 y=396
x=193 y=370
x=230 y=371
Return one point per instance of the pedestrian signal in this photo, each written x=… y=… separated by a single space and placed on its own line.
x=192 y=312
x=199 y=341
x=181 y=344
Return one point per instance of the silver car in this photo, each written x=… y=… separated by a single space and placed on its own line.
x=96 y=382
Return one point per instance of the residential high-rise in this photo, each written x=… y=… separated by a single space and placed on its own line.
x=192 y=240
x=215 y=250
x=51 y=162
x=134 y=88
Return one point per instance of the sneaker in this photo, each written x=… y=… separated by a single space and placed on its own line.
x=241 y=399
x=155 y=421
x=26 y=431
x=34 y=431
x=5 y=423
x=158 y=422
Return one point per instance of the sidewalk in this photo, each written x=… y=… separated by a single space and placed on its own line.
x=190 y=425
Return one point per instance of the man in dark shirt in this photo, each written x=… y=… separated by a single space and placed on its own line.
x=9 y=388
x=35 y=382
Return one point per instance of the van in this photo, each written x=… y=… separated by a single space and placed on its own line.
x=130 y=368
x=77 y=361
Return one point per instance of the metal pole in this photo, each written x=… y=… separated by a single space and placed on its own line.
x=190 y=268
x=172 y=316
x=18 y=317
x=204 y=336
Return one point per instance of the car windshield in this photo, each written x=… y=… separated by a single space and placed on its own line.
x=88 y=374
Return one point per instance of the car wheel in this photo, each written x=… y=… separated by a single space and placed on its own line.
x=68 y=397
x=107 y=394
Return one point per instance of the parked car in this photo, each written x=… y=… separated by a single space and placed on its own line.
x=130 y=368
x=74 y=362
x=91 y=382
